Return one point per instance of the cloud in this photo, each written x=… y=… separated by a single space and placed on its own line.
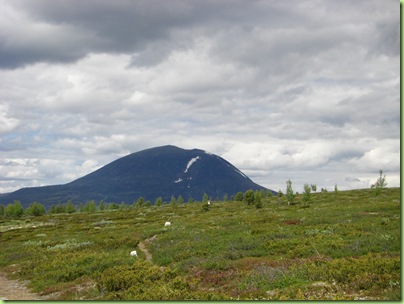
x=33 y=41
x=45 y=31
x=308 y=91
x=380 y=158
x=49 y=29
x=7 y=122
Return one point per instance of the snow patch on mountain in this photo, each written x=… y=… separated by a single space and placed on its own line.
x=242 y=174
x=178 y=180
x=190 y=163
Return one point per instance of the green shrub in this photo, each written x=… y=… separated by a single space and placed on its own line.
x=205 y=207
x=306 y=197
x=35 y=209
x=249 y=197
x=346 y=246
x=14 y=210
x=290 y=195
x=239 y=196
x=142 y=281
x=349 y=270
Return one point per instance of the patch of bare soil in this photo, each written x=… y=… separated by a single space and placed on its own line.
x=11 y=289
x=15 y=290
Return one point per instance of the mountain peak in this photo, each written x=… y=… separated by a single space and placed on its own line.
x=163 y=171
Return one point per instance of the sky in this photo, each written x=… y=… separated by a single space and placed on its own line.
x=306 y=90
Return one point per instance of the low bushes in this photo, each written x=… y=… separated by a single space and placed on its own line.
x=144 y=281
x=344 y=246
x=363 y=272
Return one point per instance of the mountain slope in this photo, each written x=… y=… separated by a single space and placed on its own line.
x=163 y=171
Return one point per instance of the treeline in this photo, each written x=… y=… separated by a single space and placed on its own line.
x=15 y=209
x=250 y=197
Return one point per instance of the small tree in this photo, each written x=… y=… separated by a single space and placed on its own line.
x=1 y=210
x=258 y=199
x=239 y=196
x=180 y=200
x=313 y=187
x=262 y=193
x=90 y=206
x=139 y=202
x=158 y=202
x=9 y=210
x=336 y=188
x=380 y=183
x=173 y=201
x=70 y=207
x=290 y=195
x=102 y=206
x=35 y=209
x=307 y=193
x=14 y=210
x=113 y=206
x=18 y=210
x=249 y=197
x=205 y=198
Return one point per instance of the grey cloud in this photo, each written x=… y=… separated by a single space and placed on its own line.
x=151 y=55
x=147 y=28
x=308 y=89
x=105 y=26
x=386 y=39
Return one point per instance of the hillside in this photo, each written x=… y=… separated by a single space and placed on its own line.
x=157 y=172
x=339 y=246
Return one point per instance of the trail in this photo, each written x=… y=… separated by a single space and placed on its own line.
x=143 y=248
x=15 y=290
x=146 y=252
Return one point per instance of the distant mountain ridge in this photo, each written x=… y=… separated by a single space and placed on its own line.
x=156 y=172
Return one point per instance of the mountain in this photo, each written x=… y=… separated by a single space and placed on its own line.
x=162 y=171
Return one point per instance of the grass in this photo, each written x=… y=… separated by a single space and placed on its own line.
x=341 y=246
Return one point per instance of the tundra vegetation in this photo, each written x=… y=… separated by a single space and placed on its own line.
x=322 y=247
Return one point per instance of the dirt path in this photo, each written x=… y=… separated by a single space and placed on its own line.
x=15 y=290
x=146 y=252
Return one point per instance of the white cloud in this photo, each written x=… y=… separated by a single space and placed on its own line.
x=385 y=157
x=306 y=92
x=7 y=122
